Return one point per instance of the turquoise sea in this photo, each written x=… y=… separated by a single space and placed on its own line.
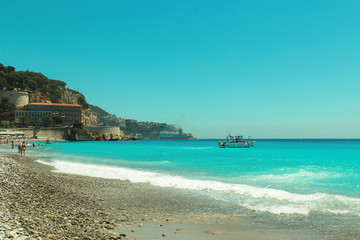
x=304 y=184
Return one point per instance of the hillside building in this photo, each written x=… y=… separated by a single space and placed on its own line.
x=88 y=117
x=69 y=113
x=16 y=98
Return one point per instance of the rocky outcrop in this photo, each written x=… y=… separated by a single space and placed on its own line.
x=106 y=136
x=69 y=96
x=99 y=134
x=103 y=137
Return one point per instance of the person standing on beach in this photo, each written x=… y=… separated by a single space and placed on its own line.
x=12 y=144
x=19 y=148
x=23 y=148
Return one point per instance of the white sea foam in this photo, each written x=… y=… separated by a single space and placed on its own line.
x=256 y=198
x=302 y=175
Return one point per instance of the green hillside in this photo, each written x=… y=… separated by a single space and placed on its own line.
x=56 y=91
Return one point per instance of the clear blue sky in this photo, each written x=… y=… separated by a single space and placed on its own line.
x=272 y=69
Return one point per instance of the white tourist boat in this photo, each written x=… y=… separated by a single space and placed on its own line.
x=236 y=142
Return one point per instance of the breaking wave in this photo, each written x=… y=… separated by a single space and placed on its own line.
x=255 y=198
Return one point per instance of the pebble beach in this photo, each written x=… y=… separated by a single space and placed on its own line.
x=38 y=203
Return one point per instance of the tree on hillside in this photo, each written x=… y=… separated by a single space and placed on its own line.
x=48 y=120
x=57 y=119
x=33 y=123
x=2 y=83
x=26 y=80
x=78 y=125
x=4 y=123
x=23 y=120
x=82 y=102
x=32 y=85
x=10 y=69
x=2 y=68
x=4 y=100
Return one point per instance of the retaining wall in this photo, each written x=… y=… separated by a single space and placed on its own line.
x=106 y=130
x=61 y=132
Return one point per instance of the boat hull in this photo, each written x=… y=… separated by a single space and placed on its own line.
x=236 y=145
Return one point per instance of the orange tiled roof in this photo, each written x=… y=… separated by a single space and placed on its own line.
x=55 y=104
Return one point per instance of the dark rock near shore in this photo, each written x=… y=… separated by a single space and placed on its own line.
x=110 y=137
x=98 y=136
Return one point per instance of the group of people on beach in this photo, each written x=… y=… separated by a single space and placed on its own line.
x=5 y=141
x=20 y=144
x=21 y=147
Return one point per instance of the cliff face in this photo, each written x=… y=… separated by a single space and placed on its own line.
x=70 y=96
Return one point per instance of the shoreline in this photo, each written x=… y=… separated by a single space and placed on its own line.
x=54 y=205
